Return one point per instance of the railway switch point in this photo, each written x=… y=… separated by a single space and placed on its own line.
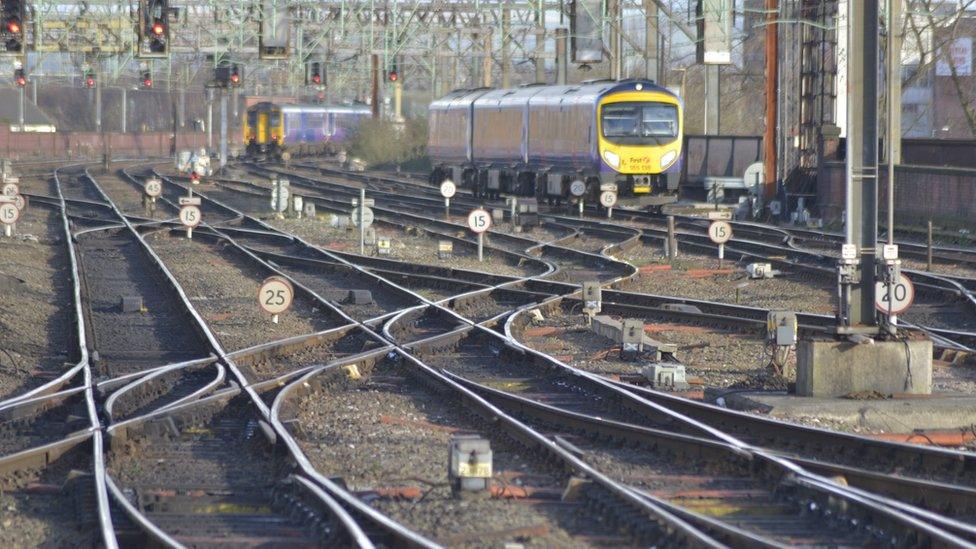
x=592 y=298
x=470 y=466
x=131 y=304
x=670 y=376
x=445 y=249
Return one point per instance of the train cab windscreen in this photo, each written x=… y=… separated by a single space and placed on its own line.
x=640 y=123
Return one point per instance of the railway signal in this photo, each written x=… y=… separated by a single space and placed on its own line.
x=313 y=75
x=153 y=28
x=394 y=74
x=12 y=30
x=20 y=78
x=235 y=76
x=89 y=79
x=146 y=77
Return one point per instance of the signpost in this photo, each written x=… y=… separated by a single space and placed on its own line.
x=479 y=221
x=11 y=189
x=9 y=214
x=608 y=199
x=578 y=189
x=190 y=216
x=152 y=189
x=895 y=301
x=362 y=217
x=720 y=232
x=448 y=190
x=275 y=296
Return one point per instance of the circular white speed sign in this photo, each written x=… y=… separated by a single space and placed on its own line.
x=190 y=215
x=608 y=199
x=479 y=220
x=368 y=217
x=899 y=299
x=720 y=232
x=154 y=187
x=9 y=214
x=275 y=295
x=11 y=189
x=577 y=188
x=448 y=188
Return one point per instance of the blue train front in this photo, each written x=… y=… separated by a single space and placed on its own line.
x=271 y=130
x=536 y=140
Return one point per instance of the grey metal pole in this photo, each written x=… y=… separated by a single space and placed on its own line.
x=125 y=109
x=616 y=39
x=182 y=110
x=712 y=99
x=20 y=109
x=481 y=247
x=562 y=58
x=362 y=224
x=651 y=36
x=862 y=157
x=209 y=124
x=894 y=107
x=98 y=103
x=672 y=241
x=223 y=129
x=928 y=251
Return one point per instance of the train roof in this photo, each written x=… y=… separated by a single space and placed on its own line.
x=584 y=92
x=313 y=108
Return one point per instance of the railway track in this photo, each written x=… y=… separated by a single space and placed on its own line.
x=223 y=414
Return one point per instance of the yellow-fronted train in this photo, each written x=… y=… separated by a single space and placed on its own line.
x=272 y=130
x=538 y=140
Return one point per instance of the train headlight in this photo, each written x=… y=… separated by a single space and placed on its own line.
x=612 y=158
x=668 y=158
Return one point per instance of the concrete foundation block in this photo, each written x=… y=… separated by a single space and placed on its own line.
x=131 y=304
x=360 y=297
x=828 y=368
x=613 y=329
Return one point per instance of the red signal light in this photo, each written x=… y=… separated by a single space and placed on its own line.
x=21 y=81
x=194 y=176
x=147 y=83
x=13 y=27
x=316 y=79
x=394 y=76
x=235 y=78
x=158 y=29
x=90 y=82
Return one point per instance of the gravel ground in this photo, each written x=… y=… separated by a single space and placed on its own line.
x=224 y=290
x=713 y=358
x=387 y=431
x=46 y=516
x=698 y=277
x=352 y=343
x=36 y=333
x=409 y=245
